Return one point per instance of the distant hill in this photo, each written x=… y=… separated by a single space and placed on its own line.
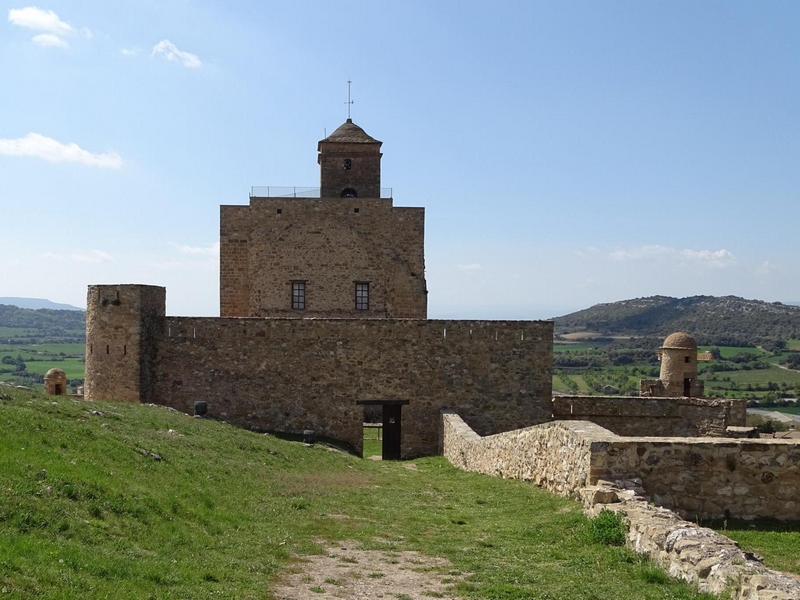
x=36 y=303
x=43 y=323
x=727 y=320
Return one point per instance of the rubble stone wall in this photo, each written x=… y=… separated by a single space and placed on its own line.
x=697 y=477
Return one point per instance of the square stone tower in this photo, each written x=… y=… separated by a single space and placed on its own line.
x=342 y=251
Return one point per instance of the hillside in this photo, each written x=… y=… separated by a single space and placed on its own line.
x=727 y=320
x=41 y=324
x=104 y=500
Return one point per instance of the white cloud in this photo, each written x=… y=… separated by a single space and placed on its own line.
x=716 y=259
x=129 y=51
x=705 y=258
x=48 y=40
x=39 y=146
x=641 y=253
x=212 y=250
x=469 y=267
x=765 y=269
x=171 y=52
x=39 y=20
x=46 y=21
x=589 y=252
x=92 y=256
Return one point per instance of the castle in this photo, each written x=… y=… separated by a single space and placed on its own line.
x=323 y=306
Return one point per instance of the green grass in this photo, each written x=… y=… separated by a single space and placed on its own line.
x=558 y=385
x=777 y=542
x=12 y=332
x=773 y=374
x=72 y=367
x=577 y=347
x=372 y=446
x=87 y=512
x=38 y=350
x=790 y=410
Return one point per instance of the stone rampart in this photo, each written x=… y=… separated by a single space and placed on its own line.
x=294 y=374
x=697 y=477
x=659 y=417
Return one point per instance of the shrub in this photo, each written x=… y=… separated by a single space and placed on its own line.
x=608 y=528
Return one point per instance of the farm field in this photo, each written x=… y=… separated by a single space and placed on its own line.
x=789 y=410
x=40 y=358
x=728 y=351
x=774 y=374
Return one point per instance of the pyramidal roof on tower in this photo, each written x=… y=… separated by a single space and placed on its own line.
x=351 y=133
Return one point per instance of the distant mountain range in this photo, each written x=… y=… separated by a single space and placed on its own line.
x=36 y=303
x=725 y=321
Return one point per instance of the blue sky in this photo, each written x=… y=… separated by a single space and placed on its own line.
x=567 y=153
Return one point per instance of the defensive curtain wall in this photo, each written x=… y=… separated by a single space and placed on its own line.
x=660 y=417
x=644 y=477
x=289 y=375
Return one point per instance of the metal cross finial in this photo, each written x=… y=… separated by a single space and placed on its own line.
x=349 y=102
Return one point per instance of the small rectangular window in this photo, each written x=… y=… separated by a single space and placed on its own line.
x=686 y=359
x=299 y=295
x=362 y=296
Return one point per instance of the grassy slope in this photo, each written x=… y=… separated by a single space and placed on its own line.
x=84 y=514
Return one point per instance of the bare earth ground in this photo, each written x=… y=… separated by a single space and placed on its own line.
x=346 y=571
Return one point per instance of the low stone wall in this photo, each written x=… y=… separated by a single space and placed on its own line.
x=697 y=477
x=574 y=458
x=703 y=477
x=556 y=456
x=659 y=417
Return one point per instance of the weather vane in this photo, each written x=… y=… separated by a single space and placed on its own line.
x=349 y=102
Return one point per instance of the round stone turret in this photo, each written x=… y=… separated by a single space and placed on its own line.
x=679 y=366
x=55 y=382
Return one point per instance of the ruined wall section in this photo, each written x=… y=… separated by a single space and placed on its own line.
x=573 y=458
x=696 y=477
x=294 y=374
x=123 y=326
x=329 y=244
x=659 y=417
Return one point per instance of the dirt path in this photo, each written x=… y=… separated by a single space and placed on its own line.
x=346 y=571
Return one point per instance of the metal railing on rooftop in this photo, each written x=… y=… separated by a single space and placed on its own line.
x=271 y=191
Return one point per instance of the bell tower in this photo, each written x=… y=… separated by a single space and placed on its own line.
x=350 y=163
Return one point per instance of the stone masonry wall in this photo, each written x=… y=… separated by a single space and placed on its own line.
x=710 y=477
x=697 y=477
x=330 y=244
x=556 y=455
x=122 y=326
x=295 y=374
x=659 y=417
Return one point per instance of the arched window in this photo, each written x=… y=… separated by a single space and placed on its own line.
x=349 y=193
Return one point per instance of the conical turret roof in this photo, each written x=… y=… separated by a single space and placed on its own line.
x=351 y=133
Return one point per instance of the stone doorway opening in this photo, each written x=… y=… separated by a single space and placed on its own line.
x=382 y=427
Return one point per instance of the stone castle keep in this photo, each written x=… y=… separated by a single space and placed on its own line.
x=323 y=308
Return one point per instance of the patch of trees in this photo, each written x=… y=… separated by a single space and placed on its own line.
x=48 y=323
